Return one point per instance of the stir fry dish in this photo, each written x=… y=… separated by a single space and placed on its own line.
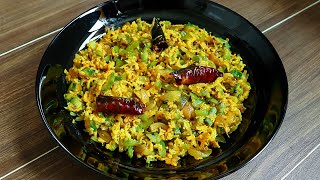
x=158 y=91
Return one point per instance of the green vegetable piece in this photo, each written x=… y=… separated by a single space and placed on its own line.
x=109 y=83
x=115 y=49
x=185 y=35
x=92 y=44
x=77 y=56
x=196 y=101
x=153 y=138
x=72 y=86
x=139 y=26
x=122 y=52
x=158 y=84
x=197 y=58
x=185 y=146
x=177 y=116
x=146 y=121
x=68 y=97
x=142 y=78
x=202 y=37
x=239 y=90
x=183 y=100
x=131 y=142
x=162 y=152
x=132 y=53
x=122 y=77
x=204 y=92
x=208 y=122
x=139 y=23
x=72 y=113
x=144 y=56
x=139 y=127
x=88 y=71
x=107 y=59
x=152 y=64
x=171 y=96
x=93 y=125
x=179 y=55
x=108 y=120
x=100 y=114
x=128 y=38
x=133 y=45
x=213 y=100
x=118 y=78
x=213 y=111
x=190 y=25
x=76 y=101
x=183 y=49
x=93 y=138
x=148 y=45
x=164 y=106
x=236 y=73
x=113 y=147
x=212 y=64
x=221 y=69
x=202 y=113
x=182 y=33
x=119 y=63
x=78 y=119
x=227 y=54
x=177 y=130
x=201 y=59
x=221 y=139
x=225 y=42
x=130 y=151
x=227 y=45
x=221 y=108
x=99 y=53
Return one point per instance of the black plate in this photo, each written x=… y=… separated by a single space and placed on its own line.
x=266 y=104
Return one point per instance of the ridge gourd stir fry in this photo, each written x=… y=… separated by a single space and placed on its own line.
x=158 y=91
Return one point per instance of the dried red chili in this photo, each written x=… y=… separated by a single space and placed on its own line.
x=159 y=42
x=196 y=74
x=117 y=105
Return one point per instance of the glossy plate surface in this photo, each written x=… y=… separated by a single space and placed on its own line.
x=266 y=104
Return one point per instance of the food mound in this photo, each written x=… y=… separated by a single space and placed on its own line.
x=158 y=91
